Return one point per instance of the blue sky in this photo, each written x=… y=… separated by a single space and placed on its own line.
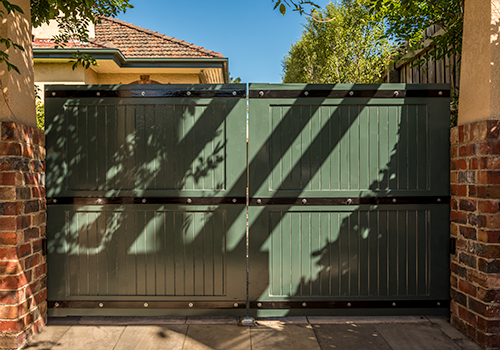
x=253 y=36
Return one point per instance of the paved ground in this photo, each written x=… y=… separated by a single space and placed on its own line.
x=288 y=333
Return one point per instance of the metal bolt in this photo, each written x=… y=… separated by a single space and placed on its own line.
x=56 y=304
x=349 y=304
x=396 y=93
x=440 y=93
x=54 y=200
x=259 y=304
x=144 y=200
x=393 y=304
x=349 y=201
x=234 y=93
x=351 y=93
x=143 y=93
x=394 y=200
x=304 y=304
x=304 y=201
x=146 y=304
x=189 y=200
x=234 y=200
x=101 y=305
x=439 y=199
x=191 y=304
x=188 y=93
x=306 y=93
x=98 y=93
x=235 y=304
x=99 y=201
x=53 y=94
x=259 y=201
x=438 y=303
x=261 y=93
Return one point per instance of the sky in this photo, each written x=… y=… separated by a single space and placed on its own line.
x=248 y=32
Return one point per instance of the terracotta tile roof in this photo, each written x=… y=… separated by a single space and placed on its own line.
x=135 y=42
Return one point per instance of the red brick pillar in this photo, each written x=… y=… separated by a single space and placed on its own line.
x=23 y=268
x=475 y=223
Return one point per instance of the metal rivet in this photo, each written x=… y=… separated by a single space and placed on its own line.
x=101 y=304
x=349 y=304
x=304 y=201
x=234 y=93
x=440 y=93
x=189 y=200
x=259 y=304
x=439 y=199
x=188 y=93
x=235 y=304
x=394 y=200
x=396 y=93
x=259 y=201
x=393 y=304
x=349 y=201
x=53 y=93
x=304 y=304
x=98 y=93
x=99 y=201
x=438 y=303
x=146 y=304
x=234 y=200
x=143 y=93
x=261 y=93
x=56 y=304
x=191 y=304
x=144 y=200
x=351 y=93
x=306 y=93
x=54 y=200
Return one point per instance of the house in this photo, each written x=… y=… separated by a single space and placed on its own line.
x=126 y=54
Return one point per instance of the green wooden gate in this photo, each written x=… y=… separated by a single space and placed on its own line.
x=347 y=199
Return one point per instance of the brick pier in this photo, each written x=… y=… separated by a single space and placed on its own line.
x=23 y=268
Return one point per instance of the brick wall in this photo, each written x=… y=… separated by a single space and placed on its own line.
x=23 y=268
x=475 y=223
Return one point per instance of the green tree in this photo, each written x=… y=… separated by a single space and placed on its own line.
x=72 y=16
x=340 y=44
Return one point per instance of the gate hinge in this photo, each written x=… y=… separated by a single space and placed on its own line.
x=453 y=245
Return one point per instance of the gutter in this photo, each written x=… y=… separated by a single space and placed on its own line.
x=123 y=62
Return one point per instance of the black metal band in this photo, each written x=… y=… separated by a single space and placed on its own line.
x=144 y=93
x=351 y=200
x=145 y=200
x=347 y=93
x=81 y=304
x=361 y=304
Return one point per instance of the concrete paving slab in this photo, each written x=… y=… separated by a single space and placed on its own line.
x=283 y=337
x=283 y=320
x=170 y=337
x=464 y=342
x=212 y=320
x=130 y=320
x=69 y=320
x=90 y=337
x=349 y=337
x=217 y=337
x=415 y=336
x=365 y=319
x=48 y=338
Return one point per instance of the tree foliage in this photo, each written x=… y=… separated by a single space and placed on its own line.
x=340 y=44
x=73 y=18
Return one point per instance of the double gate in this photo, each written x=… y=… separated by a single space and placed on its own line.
x=340 y=196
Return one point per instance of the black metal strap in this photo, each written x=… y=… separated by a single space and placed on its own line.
x=351 y=200
x=145 y=200
x=347 y=93
x=357 y=304
x=145 y=93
